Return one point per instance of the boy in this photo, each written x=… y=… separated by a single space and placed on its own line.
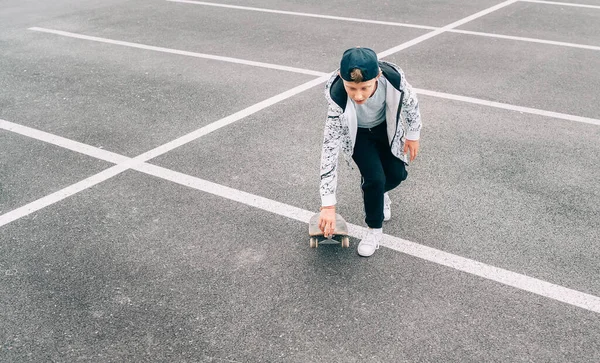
x=367 y=100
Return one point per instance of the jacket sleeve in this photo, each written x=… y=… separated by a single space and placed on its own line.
x=410 y=110
x=329 y=155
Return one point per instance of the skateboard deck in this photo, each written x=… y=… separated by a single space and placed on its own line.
x=340 y=234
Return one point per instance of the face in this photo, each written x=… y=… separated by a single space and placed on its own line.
x=360 y=92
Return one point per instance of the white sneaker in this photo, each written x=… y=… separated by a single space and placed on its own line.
x=387 y=207
x=370 y=243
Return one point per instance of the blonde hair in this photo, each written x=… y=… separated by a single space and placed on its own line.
x=356 y=75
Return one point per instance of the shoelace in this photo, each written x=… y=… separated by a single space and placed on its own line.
x=372 y=240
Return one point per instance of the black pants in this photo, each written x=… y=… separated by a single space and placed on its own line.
x=381 y=171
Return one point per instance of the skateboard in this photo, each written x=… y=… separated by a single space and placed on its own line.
x=340 y=234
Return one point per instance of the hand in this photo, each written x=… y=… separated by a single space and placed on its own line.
x=327 y=221
x=413 y=147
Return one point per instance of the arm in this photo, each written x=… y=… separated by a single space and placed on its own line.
x=329 y=162
x=412 y=116
x=329 y=156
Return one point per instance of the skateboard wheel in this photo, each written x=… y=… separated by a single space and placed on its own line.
x=345 y=242
x=314 y=243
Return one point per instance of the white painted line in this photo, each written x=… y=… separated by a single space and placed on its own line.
x=446 y=28
x=530 y=40
x=63 y=142
x=176 y=51
x=62 y=194
x=230 y=119
x=505 y=106
x=368 y=21
x=309 y=15
x=506 y=277
x=128 y=163
x=124 y=161
x=239 y=196
x=93 y=180
x=324 y=76
x=563 y=4
x=519 y=281
x=526 y=283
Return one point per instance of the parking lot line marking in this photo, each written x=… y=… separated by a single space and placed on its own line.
x=323 y=77
x=287 y=68
x=130 y=162
x=95 y=179
x=523 y=39
x=309 y=15
x=368 y=21
x=516 y=280
x=76 y=146
x=563 y=4
x=176 y=51
x=57 y=196
x=231 y=119
x=448 y=27
x=417 y=40
x=506 y=106
x=505 y=277
x=127 y=163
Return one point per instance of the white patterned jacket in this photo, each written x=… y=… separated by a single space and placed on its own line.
x=402 y=116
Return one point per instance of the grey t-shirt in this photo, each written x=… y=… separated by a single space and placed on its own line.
x=372 y=112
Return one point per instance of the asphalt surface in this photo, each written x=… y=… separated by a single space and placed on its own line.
x=138 y=268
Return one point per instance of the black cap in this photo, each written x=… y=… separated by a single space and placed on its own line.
x=364 y=59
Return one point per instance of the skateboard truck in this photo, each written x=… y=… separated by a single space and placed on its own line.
x=340 y=234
